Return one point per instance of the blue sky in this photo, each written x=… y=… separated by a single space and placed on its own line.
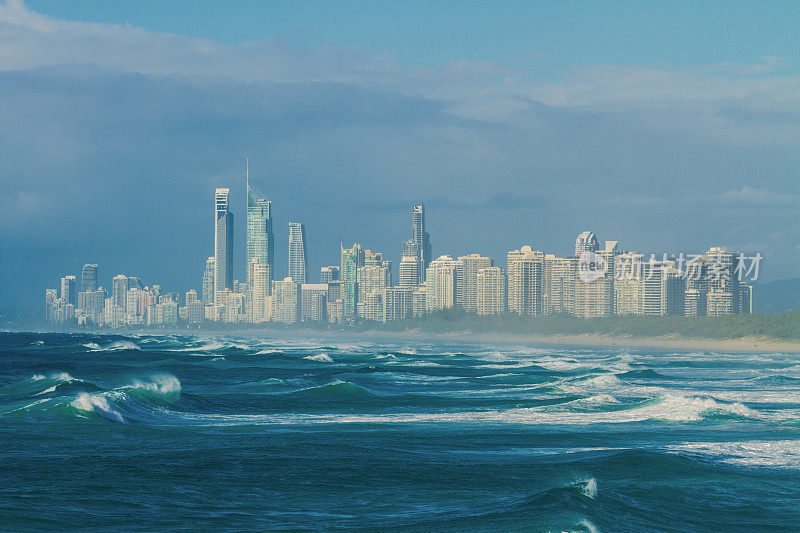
x=546 y=36
x=667 y=126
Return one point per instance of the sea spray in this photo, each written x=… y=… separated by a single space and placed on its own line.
x=96 y=403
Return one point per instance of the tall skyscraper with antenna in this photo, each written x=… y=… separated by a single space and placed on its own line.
x=419 y=246
x=260 y=239
x=223 y=244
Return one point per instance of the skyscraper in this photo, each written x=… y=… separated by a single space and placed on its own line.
x=286 y=304
x=408 y=271
x=722 y=278
x=490 y=288
x=594 y=282
x=208 y=282
x=260 y=239
x=259 y=293
x=525 y=281
x=351 y=260
x=444 y=284
x=328 y=274
x=558 y=291
x=298 y=262
x=120 y=286
x=419 y=245
x=223 y=244
x=420 y=235
x=586 y=242
x=89 y=278
x=68 y=292
x=472 y=264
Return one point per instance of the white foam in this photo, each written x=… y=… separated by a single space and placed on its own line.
x=771 y=453
x=591 y=528
x=94 y=403
x=58 y=376
x=588 y=487
x=599 y=382
x=207 y=346
x=592 y=402
x=320 y=358
x=269 y=352
x=122 y=345
x=162 y=384
x=552 y=363
x=425 y=363
x=114 y=346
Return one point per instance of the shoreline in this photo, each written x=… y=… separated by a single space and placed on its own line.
x=751 y=344
x=666 y=342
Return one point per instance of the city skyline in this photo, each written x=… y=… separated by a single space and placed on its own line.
x=258 y=245
x=595 y=281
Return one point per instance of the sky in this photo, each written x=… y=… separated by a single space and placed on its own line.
x=669 y=127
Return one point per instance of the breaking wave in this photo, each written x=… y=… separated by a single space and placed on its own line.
x=320 y=358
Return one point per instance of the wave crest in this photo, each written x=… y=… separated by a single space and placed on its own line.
x=96 y=403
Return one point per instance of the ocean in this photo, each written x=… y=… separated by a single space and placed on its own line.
x=159 y=432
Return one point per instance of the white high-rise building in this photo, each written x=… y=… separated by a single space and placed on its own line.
x=652 y=288
x=398 y=303
x=409 y=271
x=472 y=264
x=594 y=282
x=558 y=296
x=722 y=277
x=490 y=288
x=191 y=296
x=374 y=277
x=444 y=280
x=373 y=306
x=419 y=300
x=719 y=303
x=132 y=313
x=525 y=281
x=259 y=292
x=286 y=301
x=664 y=289
x=234 y=307
x=120 y=285
x=208 y=282
x=313 y=302
x=328 y=274
x=223 y=245
x=260 y=239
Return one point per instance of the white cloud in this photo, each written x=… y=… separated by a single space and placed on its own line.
x=692 y=97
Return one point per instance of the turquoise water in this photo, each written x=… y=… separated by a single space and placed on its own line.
x=159 y=432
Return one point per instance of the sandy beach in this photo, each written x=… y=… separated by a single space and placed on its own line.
x=665 y=342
